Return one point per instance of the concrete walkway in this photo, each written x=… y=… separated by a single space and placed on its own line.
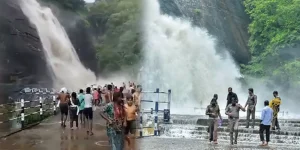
x=50 y=136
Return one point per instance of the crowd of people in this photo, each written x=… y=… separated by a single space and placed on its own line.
x=269 y=115
x=119 y=108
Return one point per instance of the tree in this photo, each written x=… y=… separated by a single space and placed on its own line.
x=72 y=5
x=275 y=32
x=119 y=45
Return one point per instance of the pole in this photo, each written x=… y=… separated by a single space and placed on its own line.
x=141 y=124
x=41 y=109
x=156 y=113
x=54 y=105
x=22 y=114
x=169 y=99
x=169 y=104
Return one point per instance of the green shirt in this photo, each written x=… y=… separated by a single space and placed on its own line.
x=81 y=101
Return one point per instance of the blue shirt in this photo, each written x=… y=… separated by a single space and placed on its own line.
x=266 y=115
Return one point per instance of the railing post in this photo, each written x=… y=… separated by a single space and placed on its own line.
x=169 y=99
x=22 y=114
x=41 y=108
x=156 y=113
x=167 y=111
x=141 y=124
x=54 y=105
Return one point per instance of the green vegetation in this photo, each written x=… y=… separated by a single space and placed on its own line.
x=197 y=11
x=115 y=28
x=118 y=46
x=72 y=5
x=275 y=32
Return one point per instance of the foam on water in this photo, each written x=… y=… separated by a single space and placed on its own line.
x=59 y=52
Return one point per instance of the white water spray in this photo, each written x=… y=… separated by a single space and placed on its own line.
x=60 y=54
x=183 y=58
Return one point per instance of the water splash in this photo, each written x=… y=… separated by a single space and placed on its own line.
x=183 y=58
x=60 y=54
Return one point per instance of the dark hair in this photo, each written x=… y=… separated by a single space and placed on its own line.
x=116 y=96
x=129 y=97
x=88 y=90
x=230 y=88
x=74 y=95
x=266 y=102
x=121 y=89
x=132 y=91
x=81 y=91
x=275 y=92
x=251 y=90
x=109 y=87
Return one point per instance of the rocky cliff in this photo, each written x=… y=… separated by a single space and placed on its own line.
x=22 y=61
x=224 y=19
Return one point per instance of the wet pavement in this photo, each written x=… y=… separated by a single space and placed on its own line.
x=158 y=143
x=50 y=136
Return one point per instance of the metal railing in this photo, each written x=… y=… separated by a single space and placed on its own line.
x=25 y=113
x=154 y=112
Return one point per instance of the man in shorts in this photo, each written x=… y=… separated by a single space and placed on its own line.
x=130 y=124
x=63 y=98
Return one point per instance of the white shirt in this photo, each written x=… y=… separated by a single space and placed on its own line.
x=88 y=100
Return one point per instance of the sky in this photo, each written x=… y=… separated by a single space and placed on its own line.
x=89 y=1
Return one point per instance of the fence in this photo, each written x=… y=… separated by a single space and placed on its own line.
x=155 y=111
x=25 y=113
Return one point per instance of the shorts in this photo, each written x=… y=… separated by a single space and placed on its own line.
x=64 y=108
x=81 y=111
x=88 y=113
x=131 y=126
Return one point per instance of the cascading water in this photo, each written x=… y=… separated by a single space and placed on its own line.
x=183 y=58
x=60 y=54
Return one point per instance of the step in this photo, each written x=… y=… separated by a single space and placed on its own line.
x=292 y=121
x=295 y=131
x=189 y=131
x=242 y=122
x=278 y=139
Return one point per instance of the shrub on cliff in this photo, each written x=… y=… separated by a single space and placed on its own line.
x=116 y=25
x=275 y=32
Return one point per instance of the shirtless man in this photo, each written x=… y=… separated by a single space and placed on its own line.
x=64 y=98
x=131 y=115
x=233 y=111
x=251 y=103
x=213 y=111
x=109 y=93
x=137 y=95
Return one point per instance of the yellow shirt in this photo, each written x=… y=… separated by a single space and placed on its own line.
x=275 y=103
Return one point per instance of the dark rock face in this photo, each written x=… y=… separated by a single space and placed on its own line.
x=22 y=60
x=79 y=34
x=224 y=19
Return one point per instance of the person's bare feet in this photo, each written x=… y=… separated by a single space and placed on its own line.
x=215 y=142
x=264 y=144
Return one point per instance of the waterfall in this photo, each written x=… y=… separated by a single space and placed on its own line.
x=183 y=58
x=59 y=52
